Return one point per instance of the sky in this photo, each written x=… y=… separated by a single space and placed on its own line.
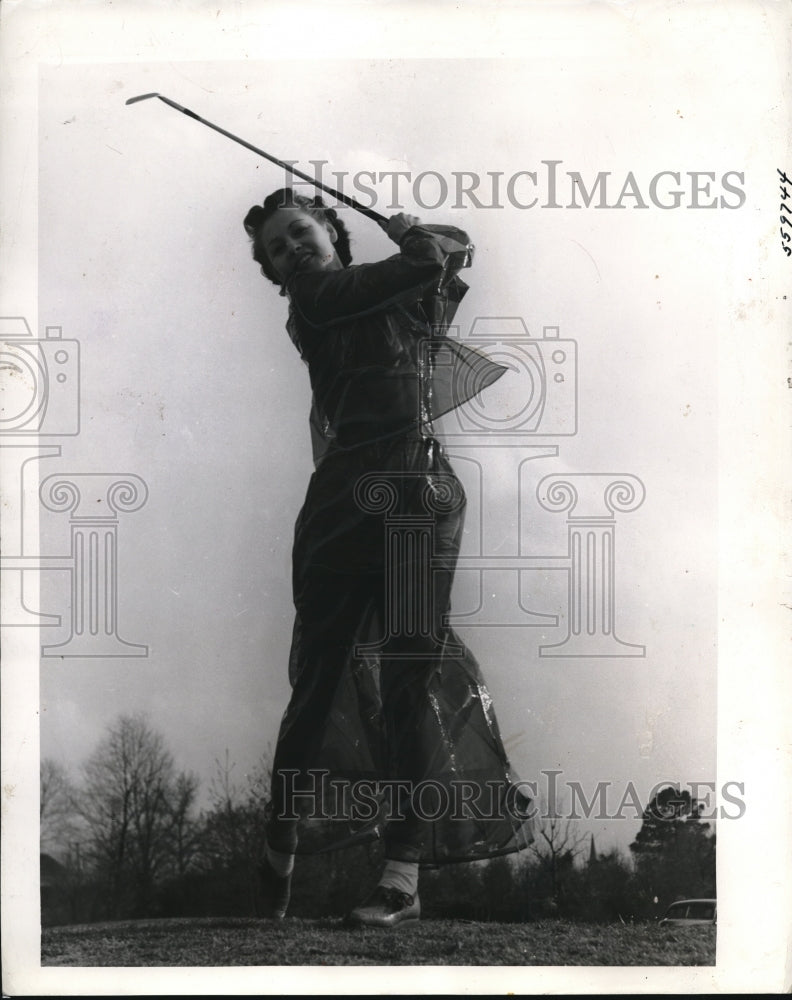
x=124 y=227
x=189 y=381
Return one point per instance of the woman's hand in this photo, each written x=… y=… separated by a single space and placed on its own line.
x=397 y=225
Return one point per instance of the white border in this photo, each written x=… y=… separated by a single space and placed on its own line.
x=754 y=687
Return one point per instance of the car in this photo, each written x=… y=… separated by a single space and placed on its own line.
x=685 y=912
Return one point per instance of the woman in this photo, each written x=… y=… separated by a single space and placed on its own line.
x=389 y=725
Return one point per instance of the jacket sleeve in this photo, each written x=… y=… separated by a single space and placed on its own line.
x=430 y=257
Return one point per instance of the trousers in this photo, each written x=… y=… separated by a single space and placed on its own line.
x=384 y=693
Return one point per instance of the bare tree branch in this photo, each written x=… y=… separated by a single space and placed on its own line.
x=135 y=804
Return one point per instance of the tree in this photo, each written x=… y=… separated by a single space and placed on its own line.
x=233 y=837
x=557 y=843
x=132 y=802
x=57 y=814
x=500 y=884
x=234 y=827
x=605 y=888
x=674 y=850
x=184 y=842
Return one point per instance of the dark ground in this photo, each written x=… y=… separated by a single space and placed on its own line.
x=294 y=942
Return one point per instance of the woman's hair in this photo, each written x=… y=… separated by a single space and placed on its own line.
x=286 y=198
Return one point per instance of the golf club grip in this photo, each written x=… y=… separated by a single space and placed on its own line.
x=368 y=212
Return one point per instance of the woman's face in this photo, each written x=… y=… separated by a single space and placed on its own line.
x=296 y=242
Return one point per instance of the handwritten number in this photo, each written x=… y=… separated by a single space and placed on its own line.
x=786 y=238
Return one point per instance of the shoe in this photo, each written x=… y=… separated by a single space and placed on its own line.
x=386 y=907
x=275 y=891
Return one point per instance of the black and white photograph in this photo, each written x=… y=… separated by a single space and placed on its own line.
x=395 y=447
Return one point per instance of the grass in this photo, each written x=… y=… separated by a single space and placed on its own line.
x=294 y=942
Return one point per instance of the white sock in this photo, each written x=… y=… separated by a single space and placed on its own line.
x=401 y=875
x=280 y=862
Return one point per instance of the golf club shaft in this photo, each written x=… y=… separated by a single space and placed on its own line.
x=345 y=199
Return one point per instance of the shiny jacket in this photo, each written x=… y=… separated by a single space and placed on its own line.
x=374 y=337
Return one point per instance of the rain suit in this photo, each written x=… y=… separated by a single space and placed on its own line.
x=390 y=728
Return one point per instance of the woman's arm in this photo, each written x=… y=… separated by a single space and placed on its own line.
x=430 y=256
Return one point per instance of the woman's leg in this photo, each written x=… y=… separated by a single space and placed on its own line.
x=305 y=747
x=419 y=740
x=322 y=729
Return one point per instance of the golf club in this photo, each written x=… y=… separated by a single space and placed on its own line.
x=345 y=199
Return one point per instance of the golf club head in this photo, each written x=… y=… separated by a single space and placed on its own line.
x=140 y=97
x=369 y=212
